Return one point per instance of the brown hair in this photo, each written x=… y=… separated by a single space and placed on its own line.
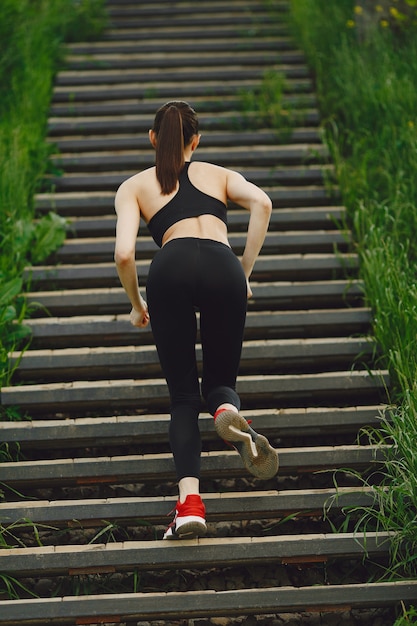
x=174 y=126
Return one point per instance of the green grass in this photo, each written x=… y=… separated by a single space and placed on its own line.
x=32 y=33
x=368 y=104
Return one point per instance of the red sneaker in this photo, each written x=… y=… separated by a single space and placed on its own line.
x=189 y=521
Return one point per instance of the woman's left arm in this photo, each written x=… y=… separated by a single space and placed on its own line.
x=127 y=227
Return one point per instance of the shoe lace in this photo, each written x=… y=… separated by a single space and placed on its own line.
x=172 y=524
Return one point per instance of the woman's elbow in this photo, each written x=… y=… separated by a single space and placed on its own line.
x=266 y=206
x=123 y=257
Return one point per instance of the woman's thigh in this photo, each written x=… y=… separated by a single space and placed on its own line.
x=223 y=306
x=173 y=319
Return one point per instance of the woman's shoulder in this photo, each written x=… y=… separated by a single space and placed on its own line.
x=138 y=182
x=141 y=177
x=207 y=166
x=209 y=171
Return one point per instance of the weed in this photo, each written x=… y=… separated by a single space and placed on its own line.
x=409 y=616
x=13 y=588
x=367 y=101
x=31 y=45
x=9 y=535
x=113 y=532
x=266 y=105
x=10 y=452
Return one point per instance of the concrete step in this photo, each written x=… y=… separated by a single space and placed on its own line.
x=169 y=90
x=281 y=295
x=268 y=390
x=101 y=249
x=293 y=179
x=201 y=72
x=202 y=44
x=77 y=432
x=225 y=140
x=108 y=330
x=272 y=355
x=299 y=219
x=282 y=158
x=140 y=606
x=131 y=9
x=268 y=268
x=166 y=32
x=193 y=19
x=271 y=504
x=202 y=104
x=83 y=204
x=156 y=59
x=131 y=468
x=212 y=552
x=110 y=124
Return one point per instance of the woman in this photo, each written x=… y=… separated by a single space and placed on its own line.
x=184 y=206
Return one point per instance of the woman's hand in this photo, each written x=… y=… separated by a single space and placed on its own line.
x=250 y=294
x=140 y=319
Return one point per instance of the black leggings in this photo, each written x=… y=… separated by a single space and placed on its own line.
x=186 y=275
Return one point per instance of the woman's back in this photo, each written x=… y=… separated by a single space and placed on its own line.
x=196 y=208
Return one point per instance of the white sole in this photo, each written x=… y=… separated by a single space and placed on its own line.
x=258 y=456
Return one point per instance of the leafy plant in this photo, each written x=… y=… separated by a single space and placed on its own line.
x=409 y=616
x=9 y=535
x=10 y=452
x=31 y=47
x=367 y=101
x=13 y=588
x=113 y=532
x=268 y=105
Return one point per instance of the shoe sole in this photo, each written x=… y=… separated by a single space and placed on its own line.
x=258 y=456
x=189 y=530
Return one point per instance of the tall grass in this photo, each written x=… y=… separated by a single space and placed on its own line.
x=32 y=33
x=369 y=107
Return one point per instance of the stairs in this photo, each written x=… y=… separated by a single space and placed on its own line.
x=90 y=482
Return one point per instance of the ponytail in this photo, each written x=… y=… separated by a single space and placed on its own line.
x=175 y=124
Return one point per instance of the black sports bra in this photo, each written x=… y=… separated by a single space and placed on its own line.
x=187 y=202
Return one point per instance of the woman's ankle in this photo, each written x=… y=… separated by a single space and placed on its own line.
x=188 y=486
x=225 y=407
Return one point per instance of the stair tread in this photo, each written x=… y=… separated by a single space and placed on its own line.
x=121 y=393
x=135 y=468
x=231 y=505
x=151 y=59
x=308 y=218
x=121 y=324
x=187 y=88
x=280 y=43
x=285 y=154
x=211 y=551
x=265 y=262
x=279 y=294
x=101 y=248
x=283 y=355
x=277 y=348
x=98 y=202
x=145 y=428
x=209 y=603
x=136 y=141
x=201 y=73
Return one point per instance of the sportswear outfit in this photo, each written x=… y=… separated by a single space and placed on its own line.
x=189 y=275
x=186 y=275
